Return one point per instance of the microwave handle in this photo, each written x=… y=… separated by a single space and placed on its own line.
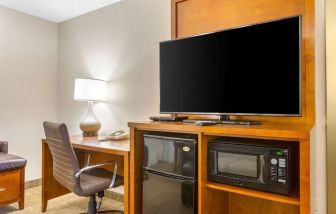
x=212 y=163
x=262 y=167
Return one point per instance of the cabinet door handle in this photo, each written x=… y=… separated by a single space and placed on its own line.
x=2 y=189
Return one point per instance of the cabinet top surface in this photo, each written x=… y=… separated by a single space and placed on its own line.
x=267 y=129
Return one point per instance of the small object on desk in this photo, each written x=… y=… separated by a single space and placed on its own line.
x=168 y=119
x=205 y=123
x=117 y=135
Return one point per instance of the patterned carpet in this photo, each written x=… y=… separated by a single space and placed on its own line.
x=67 y=204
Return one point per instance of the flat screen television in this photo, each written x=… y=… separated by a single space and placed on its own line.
x=250 y=70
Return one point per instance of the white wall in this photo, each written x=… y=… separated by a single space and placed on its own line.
x=120 y=44
x=318 y=138
x=28 y=84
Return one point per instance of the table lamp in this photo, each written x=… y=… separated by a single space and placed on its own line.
x=90 y=90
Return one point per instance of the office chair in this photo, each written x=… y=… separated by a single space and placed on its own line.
x=85 y=182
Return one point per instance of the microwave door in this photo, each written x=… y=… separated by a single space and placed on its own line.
x=238 y=168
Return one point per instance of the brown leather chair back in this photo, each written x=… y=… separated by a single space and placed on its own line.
x=65 y=163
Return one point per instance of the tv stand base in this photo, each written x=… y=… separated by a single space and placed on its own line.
x=168 y=118
x=227 y=122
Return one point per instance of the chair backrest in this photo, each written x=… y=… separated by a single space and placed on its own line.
x=65 y=163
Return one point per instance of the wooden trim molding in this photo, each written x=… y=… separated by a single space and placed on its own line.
x=309 y=41
x=174 y=27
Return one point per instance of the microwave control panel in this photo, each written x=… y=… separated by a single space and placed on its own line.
x=278 y=166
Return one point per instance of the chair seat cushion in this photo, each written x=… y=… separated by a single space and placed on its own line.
x=97 y=180
x=11 y=162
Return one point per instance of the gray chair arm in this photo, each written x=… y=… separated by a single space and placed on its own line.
x=77 y=175
x=3 y=146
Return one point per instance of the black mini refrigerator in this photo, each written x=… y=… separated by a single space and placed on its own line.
x=169 y=174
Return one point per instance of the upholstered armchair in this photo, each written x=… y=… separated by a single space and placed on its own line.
x=12 y=170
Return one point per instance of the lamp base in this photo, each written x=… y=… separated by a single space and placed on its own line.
x=90 y=125
x=90 y=134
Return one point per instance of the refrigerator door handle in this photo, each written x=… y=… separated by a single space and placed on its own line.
x=176 y=139
x=170 y=176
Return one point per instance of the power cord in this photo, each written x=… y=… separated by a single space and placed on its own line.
x=100 y=196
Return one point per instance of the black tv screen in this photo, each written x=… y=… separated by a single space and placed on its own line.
x=251 y=70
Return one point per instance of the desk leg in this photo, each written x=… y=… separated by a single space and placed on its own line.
x=50 y=187
x=135 y=189
x=126 y=184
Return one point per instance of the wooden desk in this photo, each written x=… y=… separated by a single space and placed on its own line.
x=101 y=151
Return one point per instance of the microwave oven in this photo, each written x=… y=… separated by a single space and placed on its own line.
x=258 y=164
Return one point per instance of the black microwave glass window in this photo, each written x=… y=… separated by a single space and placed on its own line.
x=237 y=164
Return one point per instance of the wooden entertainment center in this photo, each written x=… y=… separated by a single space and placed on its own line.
x=219 y=198
x=192 y=17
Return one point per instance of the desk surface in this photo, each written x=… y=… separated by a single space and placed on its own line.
x=121 y=147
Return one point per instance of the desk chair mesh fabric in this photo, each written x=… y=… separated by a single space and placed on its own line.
x=66 y=170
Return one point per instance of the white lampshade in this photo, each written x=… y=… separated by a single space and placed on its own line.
x=90 y=90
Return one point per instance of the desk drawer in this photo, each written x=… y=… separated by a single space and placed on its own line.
x=9 y=186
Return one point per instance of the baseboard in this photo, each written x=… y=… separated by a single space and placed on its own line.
x=108 y=193
x=114 y=195
x=33 y=183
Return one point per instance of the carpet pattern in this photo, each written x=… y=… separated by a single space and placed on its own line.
x=67 y=204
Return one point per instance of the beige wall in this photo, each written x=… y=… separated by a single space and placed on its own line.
x=331 y=102
x=120 y=44
x=318 y=142
x=28 y=83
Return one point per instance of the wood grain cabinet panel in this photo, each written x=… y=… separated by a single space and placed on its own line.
x=203 y=16
x=9 y=186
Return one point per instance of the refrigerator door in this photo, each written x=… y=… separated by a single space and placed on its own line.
x=166 y=195
x=170 y=155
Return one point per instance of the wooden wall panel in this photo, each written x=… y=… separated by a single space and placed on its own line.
x=192 y=17
x=215 y=202
x=202 y=16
